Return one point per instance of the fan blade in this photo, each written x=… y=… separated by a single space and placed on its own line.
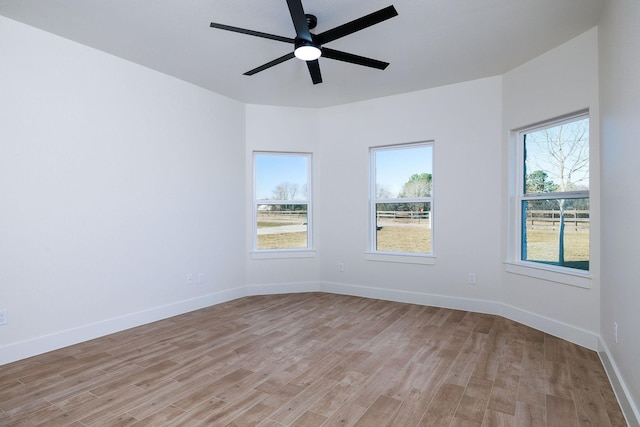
x=270 y=64
x=252 y=33
x=354 y=59
x=356 y=25
x=314 y=71
x=299 y=20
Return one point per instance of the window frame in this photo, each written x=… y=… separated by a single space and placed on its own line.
x=373 y=254
x=307 y=251
x=515 y=263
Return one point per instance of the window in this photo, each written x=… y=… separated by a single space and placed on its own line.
x=553 y=194
x=282 y=201
x=402 y=199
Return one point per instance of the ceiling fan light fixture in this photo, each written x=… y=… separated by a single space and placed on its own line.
x=306 y=50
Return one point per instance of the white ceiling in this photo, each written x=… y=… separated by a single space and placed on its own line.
x=430 y=43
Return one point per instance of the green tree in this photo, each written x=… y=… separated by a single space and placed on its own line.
x=538 y=182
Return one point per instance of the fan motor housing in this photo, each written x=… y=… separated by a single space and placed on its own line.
x=312 y=21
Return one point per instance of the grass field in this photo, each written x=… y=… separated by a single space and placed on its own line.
x=542 y=244
x=283 y=241
x=405 y=238
x=288 y=240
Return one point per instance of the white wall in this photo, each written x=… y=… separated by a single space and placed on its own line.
x=619 y=38
x=463 y=120
x=559 y=82
x=115 y=181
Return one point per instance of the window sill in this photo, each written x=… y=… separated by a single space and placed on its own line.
x=581 y=279
x=404 y=258
x=284 y=253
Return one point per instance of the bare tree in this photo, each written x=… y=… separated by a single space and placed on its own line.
x=567 y=148
x=562 y=152
x=382 y=192
x=285 y=191
x=419 y=185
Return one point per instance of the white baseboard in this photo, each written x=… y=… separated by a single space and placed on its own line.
x=282 y=288
x=32 y=347
x=443 y=301
x=629 y=408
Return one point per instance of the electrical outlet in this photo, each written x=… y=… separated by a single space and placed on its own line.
x=615 y=331
x=4 y=316
x=472 y=278
x=189 y=278
x=341 y=267
x=201 y=278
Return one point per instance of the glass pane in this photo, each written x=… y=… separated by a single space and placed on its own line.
x=281 y=177
x=556 y=232
x=557 y=158
x=404 y=172
x=282 y=226
x=403 y=227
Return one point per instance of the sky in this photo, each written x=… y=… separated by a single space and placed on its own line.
x=274 y=169
x=394 y=168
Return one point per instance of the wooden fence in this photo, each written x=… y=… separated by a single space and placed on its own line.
x=281 y=215
x=578 y=218
x=409 y=215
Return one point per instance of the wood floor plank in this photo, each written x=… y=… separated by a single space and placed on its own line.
x=529 y=415
x=309 y=419
x=379 y=413
x=423 y=390
x=475 y=400
x=314 y=359
x=504 y=394
x=260 y=412
x=561 y=412
x=591 y=409
x=230 y=410
x=582 y=376
x=291 y=410
x=498 y=419
x=443 y=406
x=459 y=422
x=558 y=379
x=337 y=396
x=486 y=365
x=532 y=386
x=404 y=382
x=159 y=418
x=347 y=416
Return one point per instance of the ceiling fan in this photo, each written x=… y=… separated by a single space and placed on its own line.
x=309 y=47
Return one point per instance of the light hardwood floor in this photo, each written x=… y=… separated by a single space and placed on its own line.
x=314 y=359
